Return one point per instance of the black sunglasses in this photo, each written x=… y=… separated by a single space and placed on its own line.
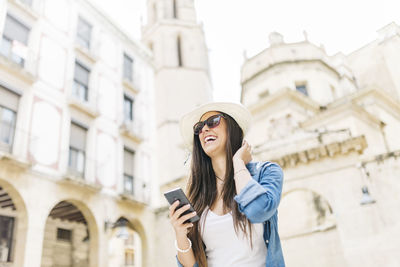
x=211 y=122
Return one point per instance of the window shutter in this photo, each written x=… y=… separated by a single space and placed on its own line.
x=15 y=30
x=78 y=137
x=9 y=99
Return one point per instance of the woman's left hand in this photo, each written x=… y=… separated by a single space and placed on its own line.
x=244 y=153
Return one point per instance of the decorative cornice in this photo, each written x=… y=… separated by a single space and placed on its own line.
x=342 y=109
x=356 y=144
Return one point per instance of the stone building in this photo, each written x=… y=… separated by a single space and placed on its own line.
x=89 y=137
x=332 y=123
x=76 y=173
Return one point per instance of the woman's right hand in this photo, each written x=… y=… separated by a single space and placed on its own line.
x=180 y=227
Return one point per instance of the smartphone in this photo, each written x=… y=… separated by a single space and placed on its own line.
x=178 y=194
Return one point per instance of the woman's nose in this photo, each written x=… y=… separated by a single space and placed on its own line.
x=205 y=128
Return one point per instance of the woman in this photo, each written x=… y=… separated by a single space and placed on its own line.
x=236 y=199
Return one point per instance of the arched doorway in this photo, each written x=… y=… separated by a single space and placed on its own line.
x=125 y=245
x=13 y=226
x=68 y=238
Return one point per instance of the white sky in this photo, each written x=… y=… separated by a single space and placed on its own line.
x=233 y=26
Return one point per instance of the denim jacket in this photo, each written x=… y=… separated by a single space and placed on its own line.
x=259 y=201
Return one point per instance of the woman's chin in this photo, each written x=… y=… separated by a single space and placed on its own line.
x=211 y=150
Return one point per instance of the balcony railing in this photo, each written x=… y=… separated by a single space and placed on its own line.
x=18 y=58
x=133 y=129
x=135 y=189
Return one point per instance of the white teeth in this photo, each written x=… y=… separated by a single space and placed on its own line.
x=209 y=138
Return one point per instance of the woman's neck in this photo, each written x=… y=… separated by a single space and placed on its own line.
x=219 y=166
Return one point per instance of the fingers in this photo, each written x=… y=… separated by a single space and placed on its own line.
x=179 y=211
x=172 y=208
x=182 y=219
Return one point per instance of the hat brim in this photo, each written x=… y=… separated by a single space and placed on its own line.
x=237 y=111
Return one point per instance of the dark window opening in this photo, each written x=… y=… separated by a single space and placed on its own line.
x=175 y=9
x=128 y=68
x=128 y=109
x=179 y=51
x=64 y=234
x=302 y=88
x=6 y=238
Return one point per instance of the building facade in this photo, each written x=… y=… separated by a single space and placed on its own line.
x=89 y=137
x=332 y=123
x=76 y=173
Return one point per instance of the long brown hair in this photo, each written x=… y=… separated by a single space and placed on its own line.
x=202 y=188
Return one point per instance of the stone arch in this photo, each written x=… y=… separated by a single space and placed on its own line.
x=21 y=223
x=307 y=226
x=136 y=232
x=92 y=228
x=312 y=211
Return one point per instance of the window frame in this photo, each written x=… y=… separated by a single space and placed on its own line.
x=127 y=74
x=302 y=87
x=84 y=41
x=131 y=101
x=129 y=176
x=79 y=84
x=6 y=38
x=10 y=235
x=73 y=167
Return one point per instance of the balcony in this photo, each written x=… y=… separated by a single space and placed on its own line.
x=84 y=54
x=132 y=85
x=83 y=107
x=135 y=190
x=18 y=60
x=76 y=179
x=133 y=130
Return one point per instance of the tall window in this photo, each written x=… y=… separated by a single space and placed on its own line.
x=128 y=68
x=15 y=40
x=175 y=9
x=77 y=150
x=179 y=51
x=302 y=88
x=129 y=157
x=128 y=109
x=81 y=82
x=8 y=116
x=83 y=33
x=6 y=238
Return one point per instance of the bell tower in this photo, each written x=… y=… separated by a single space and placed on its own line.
x=182 y=79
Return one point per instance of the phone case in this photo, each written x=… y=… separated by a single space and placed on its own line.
x=178 y=194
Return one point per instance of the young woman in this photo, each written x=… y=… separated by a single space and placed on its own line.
x=236 y=199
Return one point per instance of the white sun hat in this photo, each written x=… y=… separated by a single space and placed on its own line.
x=236 y=110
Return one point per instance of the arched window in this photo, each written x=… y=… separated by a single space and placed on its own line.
x=179 y=51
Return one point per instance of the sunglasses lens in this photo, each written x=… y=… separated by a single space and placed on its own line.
x=211 y=122
x=198 y=127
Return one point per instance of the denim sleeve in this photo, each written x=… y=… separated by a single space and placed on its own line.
x=180 y=264
x=259 y=200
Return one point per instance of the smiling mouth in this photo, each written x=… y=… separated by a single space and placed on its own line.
x=209 y=139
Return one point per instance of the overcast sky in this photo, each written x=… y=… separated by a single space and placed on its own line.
x=233 y=26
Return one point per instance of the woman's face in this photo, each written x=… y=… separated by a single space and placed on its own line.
x=216 y=137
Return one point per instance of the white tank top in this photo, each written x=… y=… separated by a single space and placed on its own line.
x=225 y=248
